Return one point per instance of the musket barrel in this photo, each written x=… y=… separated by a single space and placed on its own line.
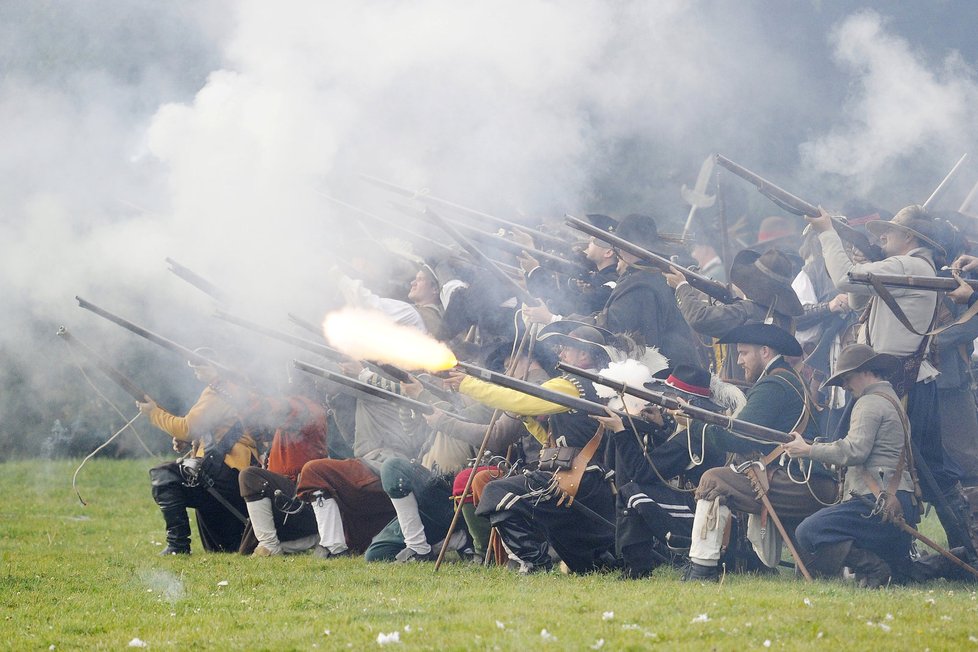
x=562 y=264
x=159 y=340
x=715 y=289
x=931 y=283
x=800 y=207
x=442 y=249
x=117 y=376
x=431 y=199
x=754 y=431
x=307 y=345
x=518 y=290
x=197 y=281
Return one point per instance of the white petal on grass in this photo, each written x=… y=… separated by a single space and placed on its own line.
x=598 y=644
x=767 y=642
x=136 y=642
x=500 y=625
x=808 y=603
x=223 y=583
x=547 y=636
x=608 y=615
x=702 y=618
x=387 y=639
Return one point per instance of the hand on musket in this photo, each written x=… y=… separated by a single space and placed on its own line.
x=797 y=447
x=454 y=379
x=822 y=222
x=674 y=276
x=962 y=293
x=965 y=263
x=146 y=406
x=528 y=263
x=412 y=388
x=538 y=314
x=611 y=423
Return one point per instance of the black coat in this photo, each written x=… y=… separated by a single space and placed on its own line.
x=642 y=305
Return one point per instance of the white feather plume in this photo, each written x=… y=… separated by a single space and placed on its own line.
x=631 y=372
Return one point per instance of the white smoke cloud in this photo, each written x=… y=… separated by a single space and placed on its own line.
x=205 y=132
x=901 y=108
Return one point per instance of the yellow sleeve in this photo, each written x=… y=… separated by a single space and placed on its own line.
x=207 y=414
x=516 y=402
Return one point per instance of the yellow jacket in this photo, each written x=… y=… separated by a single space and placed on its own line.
x=207 y=421
x=510 y=400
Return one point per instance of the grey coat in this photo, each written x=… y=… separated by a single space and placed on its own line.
x=874 y=443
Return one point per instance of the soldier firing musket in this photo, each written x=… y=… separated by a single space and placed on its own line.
x=802 y=208
x=899 y=323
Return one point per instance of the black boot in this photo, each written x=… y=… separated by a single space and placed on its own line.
x=699 y=573
x=828 y=560
x=177 y=531
x=871 y=571
x=520 y=539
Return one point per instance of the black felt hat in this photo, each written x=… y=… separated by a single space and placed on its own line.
x=766 y=279
x=764 y=335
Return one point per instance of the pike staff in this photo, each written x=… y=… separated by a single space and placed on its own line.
x=525 y=344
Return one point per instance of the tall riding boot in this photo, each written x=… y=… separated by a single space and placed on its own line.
x=871 y=571
x=828 y=560
x=177 y=530
x=957 y=519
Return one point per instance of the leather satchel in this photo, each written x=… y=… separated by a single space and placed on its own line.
x=560 y=458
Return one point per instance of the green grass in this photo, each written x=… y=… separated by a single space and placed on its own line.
x=78 y=577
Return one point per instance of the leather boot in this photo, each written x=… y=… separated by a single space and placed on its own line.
x=522 y=542
x=828 y=560
x=177 y=531
x=871 y=571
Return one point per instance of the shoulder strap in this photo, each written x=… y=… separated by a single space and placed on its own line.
x=802 y=423
x=894 y=483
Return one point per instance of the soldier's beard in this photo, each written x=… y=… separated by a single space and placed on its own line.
x=751 y=374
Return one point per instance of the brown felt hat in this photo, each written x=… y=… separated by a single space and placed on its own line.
x=913 y=220
x=861 y=357
x=766 y=279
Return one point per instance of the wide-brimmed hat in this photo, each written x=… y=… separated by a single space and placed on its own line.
x=861 y=357
x=641 y=230
x=766 y=279
x=913 y=220
x=777 y=231
x=578 y=335
x=764 y=335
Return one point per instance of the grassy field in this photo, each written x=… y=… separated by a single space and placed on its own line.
x=76 y=577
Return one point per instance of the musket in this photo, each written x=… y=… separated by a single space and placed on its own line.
x=159 y=340
x=431 y=199
x=197 y=281
x=114 y=374
x=518 y=290
x=944 y=182
x=745 y=429
x=442 y=249
x=549 y=395
x=798 y=206
x=306 y=325
x=719 y=291
x=373 y=390
x=304 y=344
x=930 y=283
x=545 y=258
